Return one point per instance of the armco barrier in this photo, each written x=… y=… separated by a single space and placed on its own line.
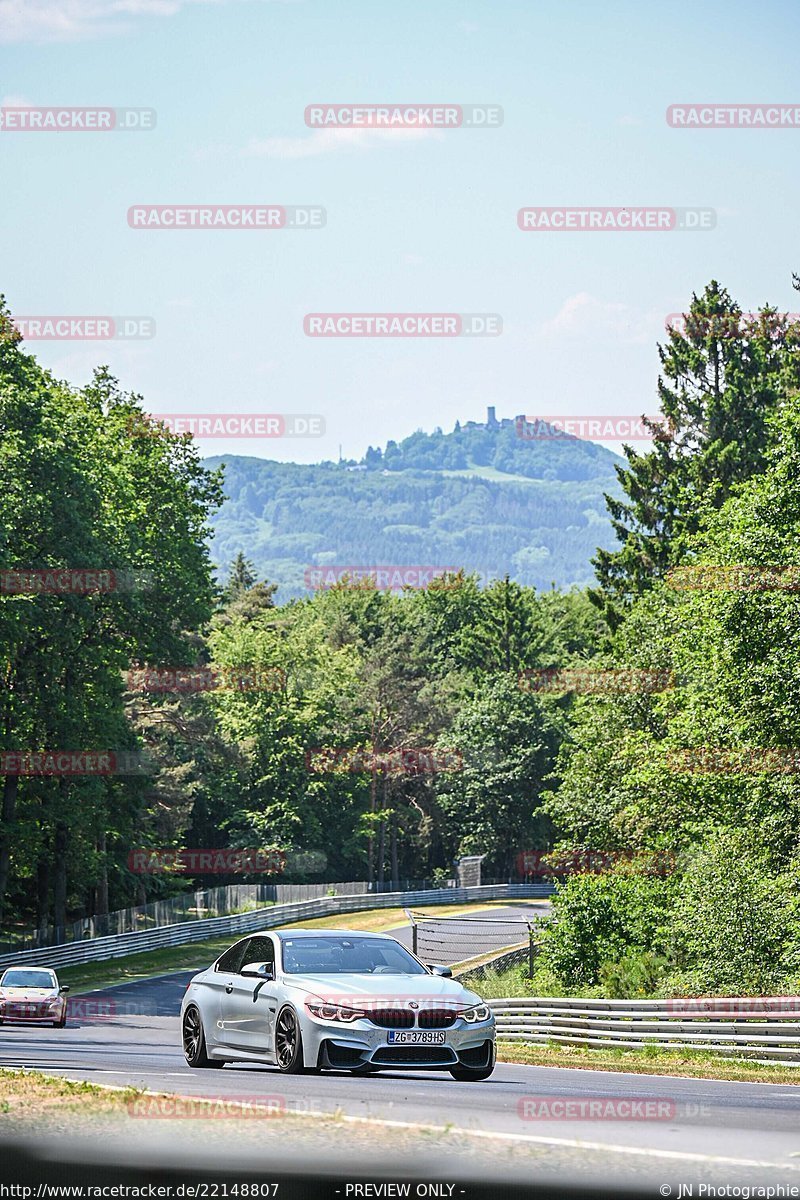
x=770 y=1036
x=99 y=949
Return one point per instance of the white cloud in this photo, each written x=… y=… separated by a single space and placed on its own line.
x=468 y=27
x=330 y=141
x=74 y=20
x=16 y=102
x=584 y=316
x=629 y=119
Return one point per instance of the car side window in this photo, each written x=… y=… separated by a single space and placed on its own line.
x=259 y=949
x=233 y=959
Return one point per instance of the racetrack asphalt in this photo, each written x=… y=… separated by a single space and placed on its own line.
x=702 y=1124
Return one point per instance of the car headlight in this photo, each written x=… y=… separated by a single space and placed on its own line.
x=334 y=1012
x=480 y=1012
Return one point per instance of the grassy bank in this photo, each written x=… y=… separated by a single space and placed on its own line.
x=648 y=1061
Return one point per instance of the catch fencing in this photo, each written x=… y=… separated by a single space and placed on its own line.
x=198 y=905
x=766 y=1028
x=467 y=938
x=100 y=949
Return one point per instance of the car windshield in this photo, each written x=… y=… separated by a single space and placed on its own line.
x=347 y=956
x=28 y=979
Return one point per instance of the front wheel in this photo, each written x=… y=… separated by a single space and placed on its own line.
x=288 y=1043
x=194 y=1041
x=60 y=1024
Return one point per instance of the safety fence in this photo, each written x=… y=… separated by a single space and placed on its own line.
x=477 y=969
x=100 y=949
x=468 y=936
x=197 y=905
x=763 y=1027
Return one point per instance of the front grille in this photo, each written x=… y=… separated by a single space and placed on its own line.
x=437 y=1018
x=27 y=1010
x=392 y=1018
x=413 y=1054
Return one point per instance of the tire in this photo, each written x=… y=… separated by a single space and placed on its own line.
x=474 y=1074
x=194 y=1041
x=60 y=1024
x=288 y=1043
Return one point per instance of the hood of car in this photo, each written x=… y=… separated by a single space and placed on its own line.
x=23 y=993
x=385 y=987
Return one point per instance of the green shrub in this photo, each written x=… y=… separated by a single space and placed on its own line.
x=602 y=919
x=734 y=927
x=636 y=974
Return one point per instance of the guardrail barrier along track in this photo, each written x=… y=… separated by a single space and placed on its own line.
x=100 y=949
x=762 y=1027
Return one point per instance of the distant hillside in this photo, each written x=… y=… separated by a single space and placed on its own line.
x=480 y=497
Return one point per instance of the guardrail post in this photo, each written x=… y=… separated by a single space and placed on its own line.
x=410 y=916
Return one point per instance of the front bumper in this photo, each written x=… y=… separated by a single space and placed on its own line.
x=335 y=1044
x=10 y=1014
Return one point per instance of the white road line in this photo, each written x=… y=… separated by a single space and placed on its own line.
x=525 y=1139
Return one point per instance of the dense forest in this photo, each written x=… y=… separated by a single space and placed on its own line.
x=392 y=732
x=481 y=499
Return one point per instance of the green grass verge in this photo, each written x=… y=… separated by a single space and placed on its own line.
x=701 y=1064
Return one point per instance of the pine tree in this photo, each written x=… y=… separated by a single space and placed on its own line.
x=724 y=375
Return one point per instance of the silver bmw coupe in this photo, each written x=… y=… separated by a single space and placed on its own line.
x=313 y=1000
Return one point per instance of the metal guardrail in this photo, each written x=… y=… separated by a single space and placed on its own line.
x=100 y=949
x=766 y=1028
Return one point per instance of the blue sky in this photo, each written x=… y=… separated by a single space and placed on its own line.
x=414 y=223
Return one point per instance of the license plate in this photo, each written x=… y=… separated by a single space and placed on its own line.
x=416 y=1037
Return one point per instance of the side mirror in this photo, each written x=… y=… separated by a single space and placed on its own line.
x=64 y=988
x=438 y=969
x=256 y=970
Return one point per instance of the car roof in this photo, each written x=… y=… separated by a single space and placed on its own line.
x=26 y=967
x=330 y=933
